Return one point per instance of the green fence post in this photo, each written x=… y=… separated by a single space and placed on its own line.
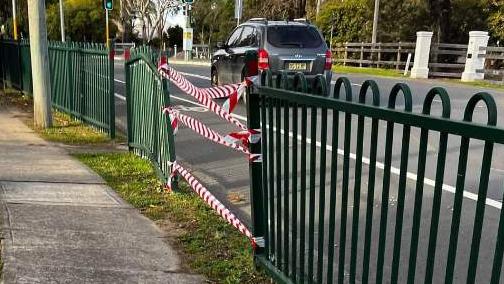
x=70 y=85
x=111 y=89
x=171 y=138
x=255 y=169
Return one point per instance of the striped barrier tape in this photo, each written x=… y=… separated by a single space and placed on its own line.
x=220 y=92
x=204 y=131
x=213 y=202
x=186 y=86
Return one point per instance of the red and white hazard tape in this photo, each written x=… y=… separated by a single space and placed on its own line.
x=220 y=92
x=203 y=130
x=202 y=97
x=211 y=200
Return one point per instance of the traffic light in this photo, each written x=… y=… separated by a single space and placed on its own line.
x=108 y=4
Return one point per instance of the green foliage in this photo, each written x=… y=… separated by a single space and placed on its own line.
x=399 y=20
x=467 y=15
x=175 y=36
x=496 y=20
x=84 y=21
x=213 y=19
x=351 y=20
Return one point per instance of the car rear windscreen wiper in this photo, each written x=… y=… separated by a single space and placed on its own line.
x=298 y=44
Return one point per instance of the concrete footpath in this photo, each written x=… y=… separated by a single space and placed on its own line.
x=62 y=224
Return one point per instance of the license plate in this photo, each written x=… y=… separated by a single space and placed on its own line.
x=297 y=66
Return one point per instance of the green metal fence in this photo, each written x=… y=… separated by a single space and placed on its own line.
x=149 y=131
x=302 y=196
x=82 y=78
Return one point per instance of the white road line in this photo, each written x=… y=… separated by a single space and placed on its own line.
x=365 y=160
x=119 y=96
x=497 y=170
x=353 y=84
x=195 y=76
x=119 y=81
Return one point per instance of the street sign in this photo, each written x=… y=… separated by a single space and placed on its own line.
x=108 y=4
x=187 y=39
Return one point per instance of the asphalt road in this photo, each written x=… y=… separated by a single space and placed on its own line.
x=225 y=172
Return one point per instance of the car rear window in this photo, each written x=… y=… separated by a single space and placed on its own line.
x=294 y=36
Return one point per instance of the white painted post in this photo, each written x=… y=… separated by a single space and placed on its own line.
x=422 y=51
x=406 y=68
x=474 y=63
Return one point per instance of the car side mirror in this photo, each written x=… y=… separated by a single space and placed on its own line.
x=221 y=45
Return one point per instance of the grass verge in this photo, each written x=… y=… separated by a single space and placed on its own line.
x=212 y=246
x=65 y=129
x=481 y=84
x=366 y=70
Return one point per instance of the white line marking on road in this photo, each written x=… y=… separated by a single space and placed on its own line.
x=119 y=81
x=353 y=84
x=497 y=170
x=365 y=160
x=195 y=76
x=119 y=96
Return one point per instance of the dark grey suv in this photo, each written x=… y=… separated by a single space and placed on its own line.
x=293 y=46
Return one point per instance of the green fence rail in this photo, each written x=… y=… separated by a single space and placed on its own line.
x=302 y=204
x=149 y=131
x=82 y=78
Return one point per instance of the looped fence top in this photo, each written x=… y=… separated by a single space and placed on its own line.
x=445 y=101
x=490 y=104
x=343 y=81
x=408 y=102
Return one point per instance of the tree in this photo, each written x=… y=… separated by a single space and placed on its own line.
x=440 y=16
x=84 y=21
x=151 y=15
x=496 y=20
x=401 y=19
x=351 y=20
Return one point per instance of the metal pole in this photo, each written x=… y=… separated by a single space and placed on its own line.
x=62 y=21
x=318 y=8
x=106 y=27
x=14 y=20
x=375 y=20
x=40 y=64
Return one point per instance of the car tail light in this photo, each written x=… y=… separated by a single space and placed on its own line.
x=328 y=60
x=263 y=62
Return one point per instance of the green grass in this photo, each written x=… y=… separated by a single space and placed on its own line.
x=65 y=129
x=70 y=131
x=481 y=84
x=367 y=70
x=213 y=247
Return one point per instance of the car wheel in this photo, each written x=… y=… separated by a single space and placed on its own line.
x=214 y=77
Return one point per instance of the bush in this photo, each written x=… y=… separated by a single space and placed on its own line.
x=353 y=20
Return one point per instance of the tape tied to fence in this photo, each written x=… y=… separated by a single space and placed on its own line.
x=214 y=203
x=201 y=95
x=204 y=130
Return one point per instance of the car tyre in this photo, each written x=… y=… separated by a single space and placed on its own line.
x=214 y=77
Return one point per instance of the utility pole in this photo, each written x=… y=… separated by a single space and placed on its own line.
x=40 y=64
x=62 y=21
x=319 y=2
x=14 y=20
x=375 y=20
x=107 y=27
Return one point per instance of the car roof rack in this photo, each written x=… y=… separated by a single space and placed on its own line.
x=264 y=20
x=302 y=20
